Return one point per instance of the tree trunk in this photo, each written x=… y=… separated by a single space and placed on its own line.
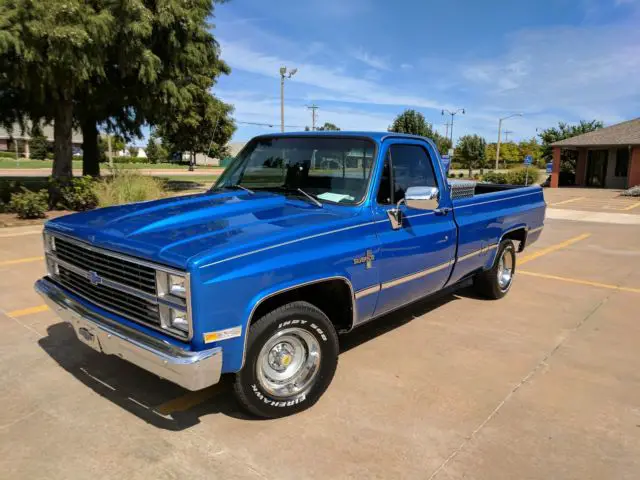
x=91 y=156
x=62 y=132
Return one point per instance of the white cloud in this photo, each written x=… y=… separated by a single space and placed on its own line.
x=332 y=82
x=406 y=66
x=371 y=60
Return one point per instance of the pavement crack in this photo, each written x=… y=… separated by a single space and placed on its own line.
x=19 y=419
x=541 y=363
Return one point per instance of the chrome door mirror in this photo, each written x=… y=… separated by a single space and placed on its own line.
x=422 y=198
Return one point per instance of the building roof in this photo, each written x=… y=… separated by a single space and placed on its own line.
x=47 y=131
x=625 y=133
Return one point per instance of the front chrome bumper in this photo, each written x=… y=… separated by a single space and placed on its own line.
x=191 y=370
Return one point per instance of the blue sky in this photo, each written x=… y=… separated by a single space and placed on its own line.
x=364 y=61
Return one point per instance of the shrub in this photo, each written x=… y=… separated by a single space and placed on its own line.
x=461 y=175
x=27 y=204
x=452 y=175
x=519 y=176
x=8 y=155
x=79 y=194
x=456 y=166
x=495 y=177
x=126 y=187
x=632 y=192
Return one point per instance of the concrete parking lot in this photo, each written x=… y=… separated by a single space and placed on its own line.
x=542 y=384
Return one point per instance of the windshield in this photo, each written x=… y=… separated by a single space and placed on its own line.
x=331 y=169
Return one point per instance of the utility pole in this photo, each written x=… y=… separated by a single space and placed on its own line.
x=499 y=136
x=446 y=129
x=453 y=114
x=506 y=135
x=284 y=74
x=313 y=109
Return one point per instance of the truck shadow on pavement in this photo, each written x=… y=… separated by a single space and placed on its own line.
x=146 y=396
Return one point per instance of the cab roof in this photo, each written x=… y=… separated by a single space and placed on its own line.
x=377 y=136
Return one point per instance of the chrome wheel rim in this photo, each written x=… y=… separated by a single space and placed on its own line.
x=505 y=269
x=288 y=362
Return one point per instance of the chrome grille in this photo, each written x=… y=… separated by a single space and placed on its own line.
x=140 y=277
x=116 y=301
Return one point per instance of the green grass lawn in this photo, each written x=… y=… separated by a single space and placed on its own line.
x=77 y=164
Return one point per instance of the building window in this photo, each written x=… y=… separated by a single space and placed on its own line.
x=622 y=162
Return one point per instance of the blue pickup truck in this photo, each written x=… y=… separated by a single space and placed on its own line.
x=304 y=236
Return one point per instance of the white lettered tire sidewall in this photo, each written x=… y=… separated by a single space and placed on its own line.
x=301 y=315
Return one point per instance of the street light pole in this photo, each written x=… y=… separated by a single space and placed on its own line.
x=500 y=134
x=284 y=74
x=453 y=114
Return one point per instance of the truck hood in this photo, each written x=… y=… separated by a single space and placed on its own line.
x=179 y=230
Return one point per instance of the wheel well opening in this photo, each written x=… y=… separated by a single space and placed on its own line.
x=519 y=235
x=333 y=297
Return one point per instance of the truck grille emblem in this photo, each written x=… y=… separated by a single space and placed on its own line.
x=94 y=278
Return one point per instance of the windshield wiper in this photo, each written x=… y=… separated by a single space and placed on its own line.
x=295 y=191
x=311 y=197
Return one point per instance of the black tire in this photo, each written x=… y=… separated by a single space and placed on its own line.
x=487 y=283
x=296 y=316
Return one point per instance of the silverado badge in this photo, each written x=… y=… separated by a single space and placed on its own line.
x=367 y=259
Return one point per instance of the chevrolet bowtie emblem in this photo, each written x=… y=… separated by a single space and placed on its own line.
x=94 y=278
x=367 y=259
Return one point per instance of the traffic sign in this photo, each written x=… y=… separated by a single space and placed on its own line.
x=528 y=160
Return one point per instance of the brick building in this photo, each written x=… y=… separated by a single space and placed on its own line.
x=606 y=158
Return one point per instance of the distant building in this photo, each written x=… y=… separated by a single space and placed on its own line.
x=605 y=158
x=10 y=139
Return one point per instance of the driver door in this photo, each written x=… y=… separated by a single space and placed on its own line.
x=416 y=259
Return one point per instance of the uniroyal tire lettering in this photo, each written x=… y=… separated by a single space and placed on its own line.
x=273 y=403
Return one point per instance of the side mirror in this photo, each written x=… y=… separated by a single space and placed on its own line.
x=422 y=198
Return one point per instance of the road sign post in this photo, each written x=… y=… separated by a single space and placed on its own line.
x=528 y=160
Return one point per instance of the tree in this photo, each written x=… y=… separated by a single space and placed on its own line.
x=117 y=64
x=412 y=122
x=38 y=145
x=156 y=153
x=443 y=143
x=470 y=151
x=205 y=126
x=564 y=131
x=328 y=126
x=133 y=151
x=533 y=148
x=117 y=145
x=48 y=52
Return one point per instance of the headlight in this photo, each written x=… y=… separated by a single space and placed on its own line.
x=179 y=320
x=49 y=243
x=177 y=286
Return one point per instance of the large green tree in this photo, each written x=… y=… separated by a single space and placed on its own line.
x=49 y=51
x=117 y=63
x=470 y=151
x=563 y=131
x=203 y=126
x=413 y=122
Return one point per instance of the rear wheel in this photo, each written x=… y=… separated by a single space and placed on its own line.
x=496 y=282
x=292 y=355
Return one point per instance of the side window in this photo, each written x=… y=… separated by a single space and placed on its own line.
x=412 y=167
x=384 y=192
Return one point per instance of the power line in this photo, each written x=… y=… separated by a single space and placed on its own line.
x=270 y=125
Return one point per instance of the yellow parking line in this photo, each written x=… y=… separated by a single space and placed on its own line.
x=580 y=282
x=631 y=207
x=552 y=248
x=28 y=311
x=190 y=399
x=571 y=200
x=21 y=260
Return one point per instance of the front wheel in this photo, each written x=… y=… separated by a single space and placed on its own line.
x=292 y=355
x=496 y=282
